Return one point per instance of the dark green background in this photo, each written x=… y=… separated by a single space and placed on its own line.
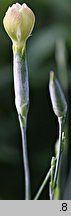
x=49 y=48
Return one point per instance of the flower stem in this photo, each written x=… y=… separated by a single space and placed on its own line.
x=51 y=185
x=25 y=161
x=21 y=87
x=43 y=185
x=60 y=120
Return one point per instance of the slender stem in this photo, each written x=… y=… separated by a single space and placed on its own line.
x=53 y=164
x=58 y=155
x=25 y=161
x=50 y=192
x=21 y=87
x=43 y=185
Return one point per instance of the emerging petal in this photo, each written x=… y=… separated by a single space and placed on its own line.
x=18 y=23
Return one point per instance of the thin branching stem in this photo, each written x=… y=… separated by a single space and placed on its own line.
x=43 y=185
x=60 y=121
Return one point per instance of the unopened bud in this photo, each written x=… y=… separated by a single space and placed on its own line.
x=58 y=100
x=18 y=23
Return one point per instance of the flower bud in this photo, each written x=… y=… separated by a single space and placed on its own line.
x=58 y=100
x=18 y=23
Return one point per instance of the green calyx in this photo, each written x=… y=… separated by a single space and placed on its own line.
x=58 y=100
x=19 y=48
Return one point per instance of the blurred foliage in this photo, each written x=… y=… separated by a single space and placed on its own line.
x=49 y=48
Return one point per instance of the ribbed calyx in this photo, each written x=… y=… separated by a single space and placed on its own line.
x=58 y=100
x=21 y=85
